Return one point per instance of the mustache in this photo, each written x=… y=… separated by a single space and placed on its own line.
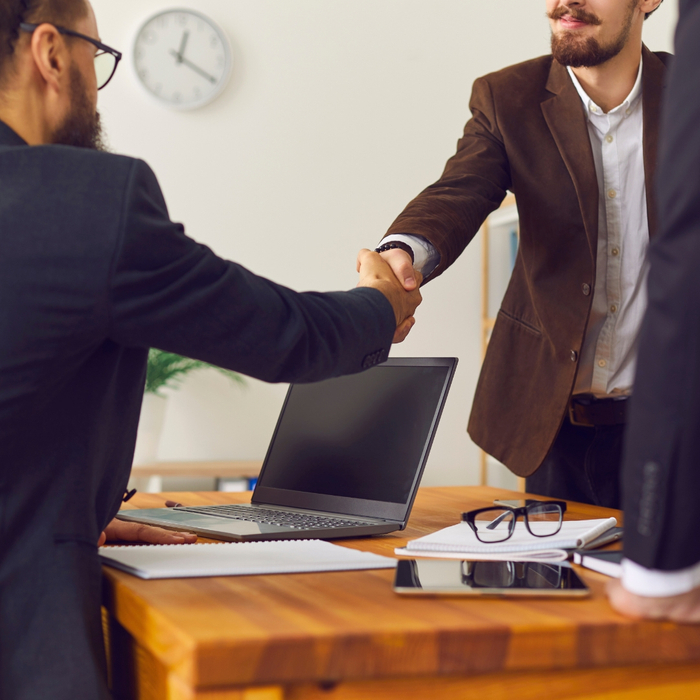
x=574 y=13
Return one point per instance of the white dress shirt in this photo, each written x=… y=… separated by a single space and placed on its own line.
x=608 y=356
x=609 y=352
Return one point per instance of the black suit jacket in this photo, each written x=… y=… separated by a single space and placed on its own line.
x=661 y=472
x=92 y=274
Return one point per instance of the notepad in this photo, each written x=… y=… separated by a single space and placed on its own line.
x=239 y=559
x=460 y=542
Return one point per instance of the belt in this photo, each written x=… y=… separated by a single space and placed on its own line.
x=590 y=411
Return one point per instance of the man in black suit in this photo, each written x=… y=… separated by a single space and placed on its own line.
x=92 y=274
x=661 y=479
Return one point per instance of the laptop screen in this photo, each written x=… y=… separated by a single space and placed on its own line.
x=362 y=437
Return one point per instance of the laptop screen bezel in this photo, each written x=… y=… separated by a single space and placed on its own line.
x=384 y=510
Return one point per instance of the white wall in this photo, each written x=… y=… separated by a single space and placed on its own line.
x=337 y=114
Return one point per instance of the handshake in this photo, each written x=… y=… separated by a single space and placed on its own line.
x=393 y=275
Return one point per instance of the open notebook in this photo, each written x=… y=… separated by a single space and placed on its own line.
x=460 y=542
x=239 y=559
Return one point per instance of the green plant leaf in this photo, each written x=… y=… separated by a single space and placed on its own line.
x=167 y=370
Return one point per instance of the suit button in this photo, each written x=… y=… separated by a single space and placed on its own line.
x=574 y=356
x=586 y=289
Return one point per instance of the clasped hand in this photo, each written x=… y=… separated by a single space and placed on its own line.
x=376 y=272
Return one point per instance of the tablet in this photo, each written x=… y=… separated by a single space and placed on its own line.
x=487 y=578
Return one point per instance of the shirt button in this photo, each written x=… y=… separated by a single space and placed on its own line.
x=602 y=363
x=593 y=108
x=613 y=308
x=574 y=356
x=586 y=289
x=615 y=251
x=612 y=194
x=609 y=138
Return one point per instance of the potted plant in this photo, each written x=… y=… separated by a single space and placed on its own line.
x=166 y=370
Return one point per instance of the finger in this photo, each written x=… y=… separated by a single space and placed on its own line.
x=102 y=540
x=362 y=257
x=159 y=535
x=402 y=266
x=403 y=330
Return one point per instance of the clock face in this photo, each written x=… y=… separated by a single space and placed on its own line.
x=182 y=58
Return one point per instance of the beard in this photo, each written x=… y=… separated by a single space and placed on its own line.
x=571 y=50
x=82 y=127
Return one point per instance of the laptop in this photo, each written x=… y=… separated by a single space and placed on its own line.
x=345 y=460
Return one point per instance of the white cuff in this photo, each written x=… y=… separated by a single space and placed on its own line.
x=653 y=583
x=425 y=256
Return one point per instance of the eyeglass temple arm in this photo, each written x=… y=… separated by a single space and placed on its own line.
x=495 y=523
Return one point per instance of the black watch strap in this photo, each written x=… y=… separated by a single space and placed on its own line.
x=396 y=244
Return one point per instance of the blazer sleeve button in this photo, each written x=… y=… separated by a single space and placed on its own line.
x=586 y=289
x=574 y=356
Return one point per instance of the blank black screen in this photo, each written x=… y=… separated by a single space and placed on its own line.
x=360 y=436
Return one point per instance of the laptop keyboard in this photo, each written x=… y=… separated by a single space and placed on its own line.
x=282 y=518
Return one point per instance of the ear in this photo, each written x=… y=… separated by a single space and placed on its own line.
x=649 y=5
x=50 y=55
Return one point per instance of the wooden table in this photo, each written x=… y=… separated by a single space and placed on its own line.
x=347 y=636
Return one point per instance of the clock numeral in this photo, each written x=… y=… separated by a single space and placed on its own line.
x=177 y=97
x=197 y=92
x=143 y=73
x=182 y=19
x=214 y=41
x=220 y=61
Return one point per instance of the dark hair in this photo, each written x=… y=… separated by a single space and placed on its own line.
x=14 y=12
x=649 y=14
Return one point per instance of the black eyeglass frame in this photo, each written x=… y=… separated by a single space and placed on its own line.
x=470 y=516
x=27 y=27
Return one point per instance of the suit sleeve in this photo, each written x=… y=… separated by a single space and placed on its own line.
x=169 y=292
x=661 y=470
x=450 y=212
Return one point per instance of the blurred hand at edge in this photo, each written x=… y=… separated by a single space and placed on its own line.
x=120 y=531
x=683 y=608
x=375 y=272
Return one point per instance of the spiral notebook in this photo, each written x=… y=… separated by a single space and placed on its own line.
x=460 y=542
x=239 y=559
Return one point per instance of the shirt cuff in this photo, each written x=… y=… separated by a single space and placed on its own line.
x=425 y=255
x=653 y=583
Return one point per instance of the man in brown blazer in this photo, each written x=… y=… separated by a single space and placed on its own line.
x=574 y=136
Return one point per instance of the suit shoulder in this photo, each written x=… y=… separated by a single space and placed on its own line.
x=665 y=57
x=532 y=72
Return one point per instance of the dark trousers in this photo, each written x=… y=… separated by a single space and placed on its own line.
x=583 y=465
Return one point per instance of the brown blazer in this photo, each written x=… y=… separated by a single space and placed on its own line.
x=528 y=134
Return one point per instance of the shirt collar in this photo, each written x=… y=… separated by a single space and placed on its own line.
x=591 y=106
x=10 y=138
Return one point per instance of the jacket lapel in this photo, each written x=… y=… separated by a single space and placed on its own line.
x=653 y=83
x=567 y=122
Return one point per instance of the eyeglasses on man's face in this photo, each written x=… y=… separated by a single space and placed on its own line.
x=497 y=524
x=106 y=59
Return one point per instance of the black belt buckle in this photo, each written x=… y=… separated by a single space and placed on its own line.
x=590 y=411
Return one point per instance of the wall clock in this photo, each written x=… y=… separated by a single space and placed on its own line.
x=182 y=58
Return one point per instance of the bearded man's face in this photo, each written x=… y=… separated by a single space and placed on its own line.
x=583 y=37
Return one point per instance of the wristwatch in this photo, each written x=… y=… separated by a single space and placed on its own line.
x=396 y=244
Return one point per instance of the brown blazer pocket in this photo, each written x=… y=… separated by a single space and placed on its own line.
x=523 y=324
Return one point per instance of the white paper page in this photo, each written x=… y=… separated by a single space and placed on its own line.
x=239 y=559
x=461 y=538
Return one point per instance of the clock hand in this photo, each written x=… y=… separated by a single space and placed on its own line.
x=183 y=44
x=196 y=69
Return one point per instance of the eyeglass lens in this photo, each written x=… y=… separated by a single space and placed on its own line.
x=544 y=519
x=493 y=525
x=105 y=65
